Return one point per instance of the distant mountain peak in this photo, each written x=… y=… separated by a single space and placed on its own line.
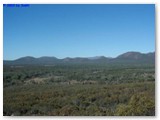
x=135 y=55
x=26 y=58
x=96 y=57
x=47 y=58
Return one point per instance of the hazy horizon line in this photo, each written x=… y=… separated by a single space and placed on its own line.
x=78 y=56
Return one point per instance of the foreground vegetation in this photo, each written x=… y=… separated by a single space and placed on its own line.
x=79 y=90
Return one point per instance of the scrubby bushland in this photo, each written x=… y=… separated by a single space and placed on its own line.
x=123 y=99
x=119 y=90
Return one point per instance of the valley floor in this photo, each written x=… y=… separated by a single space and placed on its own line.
x=126 y=99
x=79 y=90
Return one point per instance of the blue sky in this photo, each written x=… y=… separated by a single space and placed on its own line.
x=77 y=30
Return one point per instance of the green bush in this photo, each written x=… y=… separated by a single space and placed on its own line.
x=139 y=105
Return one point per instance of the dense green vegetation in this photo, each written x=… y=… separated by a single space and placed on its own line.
x=79 y=90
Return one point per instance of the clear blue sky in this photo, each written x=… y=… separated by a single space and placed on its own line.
x=77 y=30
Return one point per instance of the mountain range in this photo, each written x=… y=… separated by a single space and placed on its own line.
x=128 y=57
